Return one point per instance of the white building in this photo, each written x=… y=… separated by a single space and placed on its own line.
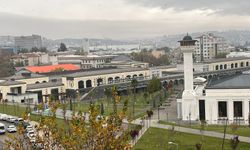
x=208 y=46
x=216 y=101
x=238 y=54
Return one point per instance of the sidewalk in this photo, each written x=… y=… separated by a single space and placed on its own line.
x=195 y=131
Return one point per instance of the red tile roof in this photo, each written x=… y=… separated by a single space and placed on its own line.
x=46 y=69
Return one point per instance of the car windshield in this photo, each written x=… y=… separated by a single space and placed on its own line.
x=1 y=127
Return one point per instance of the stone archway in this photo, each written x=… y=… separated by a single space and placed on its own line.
x=99 y=81
x=176 y=82
x=232 y=66
x=80 y=85
x=135 y=76
x=221 y=67
x=225 y=66
x=216 y=67
x=236 y=65
x=242 y=64
x=110 y=80
x=117 y=79
x=88 y=83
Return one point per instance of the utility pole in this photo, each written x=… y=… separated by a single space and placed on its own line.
x=225 y=129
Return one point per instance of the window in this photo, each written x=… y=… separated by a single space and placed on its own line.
x=241 y=64
x=232 y=65
x=221 y=67
x=247 y=63
x=236 y=65
x=217 y=67
x=237 y=109
x=225 y=66
x=222 y=109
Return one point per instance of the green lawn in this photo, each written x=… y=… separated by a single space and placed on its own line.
x=16 y=110
x=242 y=130
x=141 y=104
x=157 y=139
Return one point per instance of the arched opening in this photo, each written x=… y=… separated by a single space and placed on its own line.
x=117 y=79
x=232 y=65
x=181 y=81
x=110 y=80
x=247 y=63
x=236 y=65
x=37 y=82
x=210 y=77
x=216 y=67
x=140 y=76
x=165 y=84
x=241 y=64
x=99 y=81
x=88 y=83
x=221 y=67
x=205 y=77
x=80 y=85
x=225 y=66
x=128 y=77
x=176 y=82
x=134 y=76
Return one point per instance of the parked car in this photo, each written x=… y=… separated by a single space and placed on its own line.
x=9 y=118
x=1 y=116
x=2 y=128
x=29 y=128
x=25 y=124
x=4 y=117
x=12 y=119
x=18 y=121
x=31 y=135
x=11 y=129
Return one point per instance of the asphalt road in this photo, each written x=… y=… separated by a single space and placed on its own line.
x=4 y=136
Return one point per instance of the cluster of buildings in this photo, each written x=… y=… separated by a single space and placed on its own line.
x=54 y=75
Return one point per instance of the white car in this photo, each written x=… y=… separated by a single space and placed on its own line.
x=11 y=129
x=2 y=128
x=31 y=135
x=29 y=128
x=1 y=116
x=4 y=117
x=12 y=119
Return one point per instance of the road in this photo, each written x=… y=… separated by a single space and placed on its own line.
x=4 y=136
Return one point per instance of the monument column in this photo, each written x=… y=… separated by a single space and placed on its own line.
x=189 y=104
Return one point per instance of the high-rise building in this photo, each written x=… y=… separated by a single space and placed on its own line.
x=208 y=46
x=28 y=42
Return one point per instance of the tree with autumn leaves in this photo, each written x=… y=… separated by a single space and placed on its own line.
x=96 y=132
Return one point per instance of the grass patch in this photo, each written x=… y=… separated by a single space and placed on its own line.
x=155 y=139
x=241 y=131
x=16 y=110
x=142 y=104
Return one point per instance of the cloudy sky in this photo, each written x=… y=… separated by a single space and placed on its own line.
x=120 y=19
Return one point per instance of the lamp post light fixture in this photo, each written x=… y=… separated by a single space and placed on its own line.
x=172 y=143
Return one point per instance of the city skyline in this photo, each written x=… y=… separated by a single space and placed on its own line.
x=128 y=19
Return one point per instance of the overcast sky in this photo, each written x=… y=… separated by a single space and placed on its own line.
x=120 y=19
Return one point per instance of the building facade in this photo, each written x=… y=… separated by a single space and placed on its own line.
x=28 y=42
x=219 y=101
x=208 y=46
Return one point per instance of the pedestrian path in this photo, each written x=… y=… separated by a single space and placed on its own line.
x=196 y=131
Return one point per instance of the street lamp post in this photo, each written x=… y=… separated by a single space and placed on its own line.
x=172 y=143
